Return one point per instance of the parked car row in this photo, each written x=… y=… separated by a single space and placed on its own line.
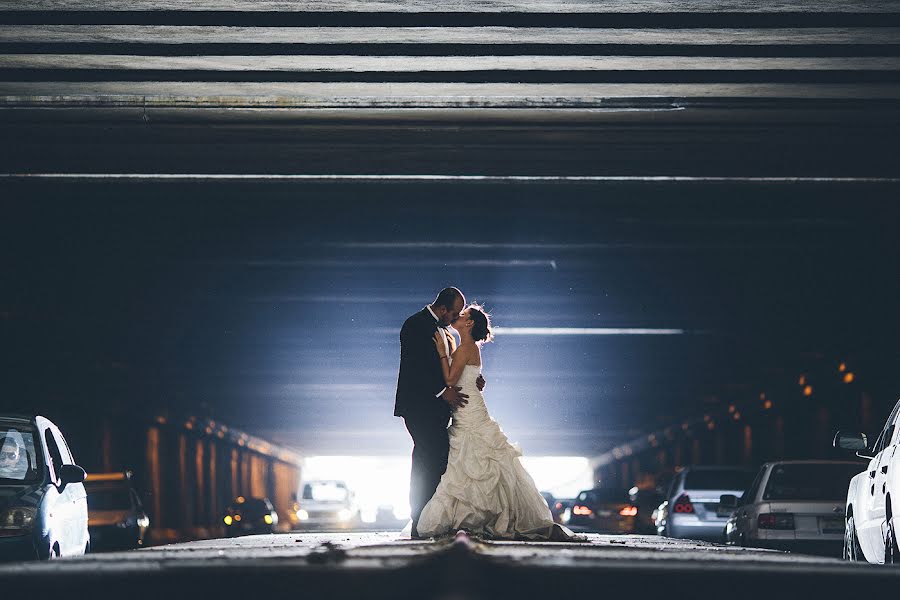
x=788 y=505
x=51 y=508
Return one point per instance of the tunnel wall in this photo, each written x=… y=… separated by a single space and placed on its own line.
x=187 y=471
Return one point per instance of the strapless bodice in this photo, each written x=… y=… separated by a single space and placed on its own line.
x=475 y=411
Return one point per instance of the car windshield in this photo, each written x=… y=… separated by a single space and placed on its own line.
x=828 y=482
x=719 y=479
x=611 y=496
x=108 y=498
x=325 y=491
x=251 y=507
x=18 y=459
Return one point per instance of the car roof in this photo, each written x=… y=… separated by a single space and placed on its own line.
x=814 y=462
x=717 y=468
x=16 y=417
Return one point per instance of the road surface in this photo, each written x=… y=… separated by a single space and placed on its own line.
x=385 y=565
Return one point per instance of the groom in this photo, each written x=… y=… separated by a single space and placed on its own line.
x=423 y=399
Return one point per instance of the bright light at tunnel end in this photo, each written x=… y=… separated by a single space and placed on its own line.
x=382 y=482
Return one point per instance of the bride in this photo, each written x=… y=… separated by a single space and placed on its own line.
x=485 y=489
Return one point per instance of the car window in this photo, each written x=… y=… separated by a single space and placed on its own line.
x=750 y=494
x=718 y=479
x=56 y=460
x=884 y=438
x=676 y=482
x=892 y=438
x=64 y=451
x=108 y=498
x=325 y=491
x=824 y=482
x=18 y=457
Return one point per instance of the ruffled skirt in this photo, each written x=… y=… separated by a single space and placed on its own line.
x=486 y=490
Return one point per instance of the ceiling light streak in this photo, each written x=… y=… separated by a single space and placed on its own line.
x=461 y=178
x=398 y=263
x=584 y=331
x=466 y=246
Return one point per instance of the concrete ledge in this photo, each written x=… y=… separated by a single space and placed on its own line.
x=146 y=95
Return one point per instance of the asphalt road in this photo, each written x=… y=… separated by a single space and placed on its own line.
x=385 y=565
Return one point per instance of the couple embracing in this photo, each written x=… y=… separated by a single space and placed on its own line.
x=467 y=476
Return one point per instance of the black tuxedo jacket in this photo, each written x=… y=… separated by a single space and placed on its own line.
x=421 y=377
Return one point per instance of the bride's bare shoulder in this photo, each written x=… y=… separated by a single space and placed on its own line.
x=474 y=356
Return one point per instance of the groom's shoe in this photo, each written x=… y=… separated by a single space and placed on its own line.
x=414 y=533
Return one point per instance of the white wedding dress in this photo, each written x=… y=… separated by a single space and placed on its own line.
x=485 y=489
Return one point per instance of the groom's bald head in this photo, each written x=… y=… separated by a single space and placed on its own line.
x=448 y=304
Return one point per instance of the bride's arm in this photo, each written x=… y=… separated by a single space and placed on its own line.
x=441 y=350
x=454 y=372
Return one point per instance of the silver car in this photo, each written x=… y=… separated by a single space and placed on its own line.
x=43 y=505
x=691 y=509
x=327 y=504
x=793 y=505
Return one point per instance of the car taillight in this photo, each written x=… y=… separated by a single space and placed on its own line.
x=683 y=504
x=582 y=510
x=628 y=511
x=775 y=521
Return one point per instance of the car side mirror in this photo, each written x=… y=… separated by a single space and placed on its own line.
x=729 y=501
x=71 y=474
x=852 y=441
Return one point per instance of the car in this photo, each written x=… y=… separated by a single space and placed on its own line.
x=250 y=516
x=43 y=504
x=116 y=517
x=557 y=506
x=691 y=506
x=604 y=510
x=873 y=495
x=792 y=505
x=647 y=502
x=327 y=504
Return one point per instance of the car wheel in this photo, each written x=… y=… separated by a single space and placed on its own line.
x=852 y=550
x=891 y=553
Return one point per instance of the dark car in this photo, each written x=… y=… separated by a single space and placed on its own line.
x=646 y=501
x=604 y=510
x=116 y=517
x=43 y=505
x=248 y=516
x=557 y=506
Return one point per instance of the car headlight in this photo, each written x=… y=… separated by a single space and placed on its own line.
x=19 y=517
x=344 y=514
x=302 y=515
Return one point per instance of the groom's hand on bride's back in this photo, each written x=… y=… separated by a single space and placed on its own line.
x=480 y=383
x=454 y=398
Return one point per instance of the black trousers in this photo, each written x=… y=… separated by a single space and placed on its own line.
x=431 y=446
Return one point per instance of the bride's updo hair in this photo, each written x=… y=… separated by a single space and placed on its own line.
x=481 y=328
